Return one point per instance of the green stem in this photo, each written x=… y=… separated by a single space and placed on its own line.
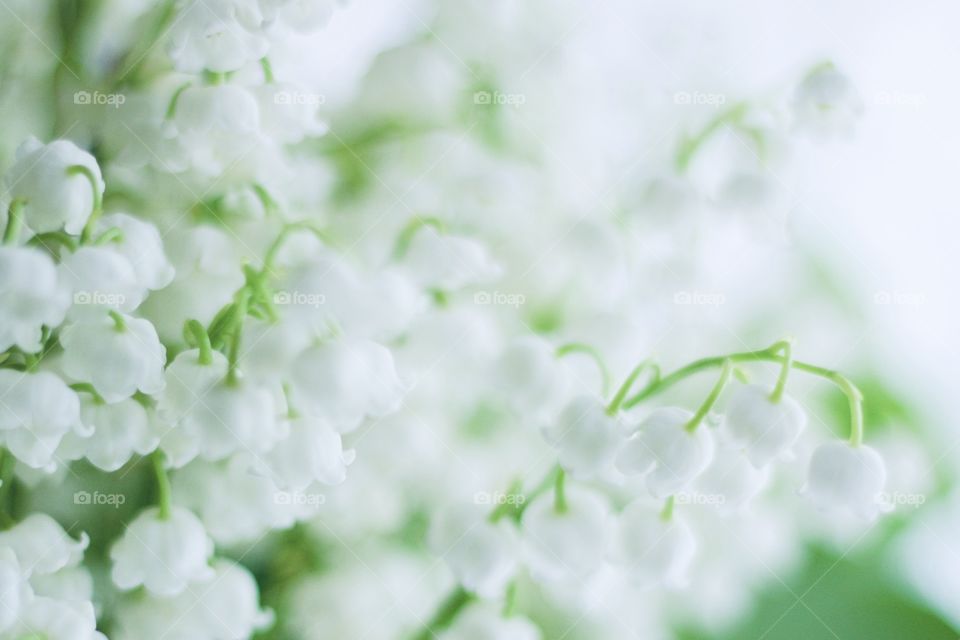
x=618 y=400
x=410 y=230
x=711 y=399
x=14 y=221
x=445 y=614
x=163 y=485
x=778 y=390
x=667 y=513
x=86 y=387
x=510 y=599
x=174 y=99
x=770 y=354
x=267 y=70
x=54 y=238
x=113 y=234
x=689 y=146
x=7 y=464
x=236 y=331
x=119 y=323
x=200 y=336
x=579 y=347
x=559 y=492
x=79 y=169
x=285 y=233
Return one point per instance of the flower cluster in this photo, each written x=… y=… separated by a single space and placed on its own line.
x=276 y=343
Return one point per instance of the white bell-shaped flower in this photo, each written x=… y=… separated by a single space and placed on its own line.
x=448 y=262
x=569 y=544
x=668 y=454
x=230 y=603
x=70 y=583
x=586 y=437
x=846 y=478
x=530 y=377
x=56 y=198
x=237 y=503
x=100 y=278
x=345 y=381
x=208 y=272
x=224 y=605
x=220 y=126
x=118 y=355
x=38 y=409
x=312 y=452
x=232 y=418
x=162 y=554
x=729 y=483
x=53 y=619
x=480 y=622
x=826 y=102
x=653 y=549
x=288 y=112
x=31 y=296
x=482 y=555
x=140 y=243
x=320 y=293
x=42 y=546
x=217 y=35
x=301 y=16
x=120 y=430
x=14 y=588
x=763 y=428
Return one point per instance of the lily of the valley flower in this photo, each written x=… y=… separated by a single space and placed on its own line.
x=31 y=296
x=42 y=546
x=765 y=428
x=120 y=430
x=847 y=478
x=669 y=455
x=162 y=554
x=482 y=555
x=586 y=437
x=36 y=411
x=568 y=543
x=119 y=355
x=654 y=548
x=55 y=196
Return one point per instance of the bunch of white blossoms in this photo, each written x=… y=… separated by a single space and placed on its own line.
x=634 y=476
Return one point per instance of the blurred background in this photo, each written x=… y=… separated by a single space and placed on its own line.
x=657 y=179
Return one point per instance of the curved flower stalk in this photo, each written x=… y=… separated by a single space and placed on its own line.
x=568 y=535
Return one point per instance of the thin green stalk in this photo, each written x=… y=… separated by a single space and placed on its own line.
x=667 y=513
x=119 y=323
x=778 y=390
x=445 y=614
x=560 y=492
x=618 y=400
x=14 y=221
x=79 y=169
x=164 y=499
x=579 y=347
x=711 y=399
x=7 y=464
x=200 y=336
x=770 y=354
